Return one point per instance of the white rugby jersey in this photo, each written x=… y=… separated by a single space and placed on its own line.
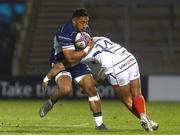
x=104 y=52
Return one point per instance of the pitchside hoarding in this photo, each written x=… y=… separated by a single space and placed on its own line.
x=164 y=88
x=29 y=87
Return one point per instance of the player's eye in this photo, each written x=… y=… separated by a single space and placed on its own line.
x=84 y=22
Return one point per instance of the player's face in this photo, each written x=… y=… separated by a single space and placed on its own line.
x=81 y=23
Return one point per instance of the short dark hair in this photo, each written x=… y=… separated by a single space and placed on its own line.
x=80 y=12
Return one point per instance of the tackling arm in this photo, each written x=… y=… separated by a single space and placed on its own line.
x=72 y=57
x=75 y=56
x=54 y=71
x=100 y=76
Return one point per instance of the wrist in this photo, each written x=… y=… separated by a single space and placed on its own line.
x=87 y=49
x=46 y=79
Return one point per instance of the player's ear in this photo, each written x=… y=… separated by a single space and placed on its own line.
x=74 y=20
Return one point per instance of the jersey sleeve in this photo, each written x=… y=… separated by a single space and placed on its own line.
x=64 y=41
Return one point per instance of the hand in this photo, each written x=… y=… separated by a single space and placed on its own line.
x=90 y=43
x=45 y=85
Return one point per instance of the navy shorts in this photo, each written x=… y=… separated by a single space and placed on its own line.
x=79 y=70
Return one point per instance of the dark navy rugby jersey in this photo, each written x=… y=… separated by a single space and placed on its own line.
x=63 y=39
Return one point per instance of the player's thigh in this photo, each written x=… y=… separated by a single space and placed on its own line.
x=135 y=82
x=87 y=83
x=124 y=92
x=120 y=79
x=64 y=82
x=121 y=86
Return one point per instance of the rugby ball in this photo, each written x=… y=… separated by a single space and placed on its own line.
x=81 y=40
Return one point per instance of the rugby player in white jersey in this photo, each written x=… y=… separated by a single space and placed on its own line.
x=121 y=69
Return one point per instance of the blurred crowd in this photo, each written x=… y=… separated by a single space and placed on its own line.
x=11 y=14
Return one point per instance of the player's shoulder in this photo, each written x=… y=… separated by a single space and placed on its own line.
x=66 y=29
x=101 y=39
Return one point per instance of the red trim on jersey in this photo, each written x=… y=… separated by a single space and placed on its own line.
x=114 y=86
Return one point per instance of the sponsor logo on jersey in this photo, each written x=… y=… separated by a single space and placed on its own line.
x=129 y=61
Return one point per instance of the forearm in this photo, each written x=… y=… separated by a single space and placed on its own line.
x=73 y=57
x=76 y=56
x=100 y=76
x=55 y=70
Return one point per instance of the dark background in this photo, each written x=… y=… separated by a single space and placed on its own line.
x=149 y=29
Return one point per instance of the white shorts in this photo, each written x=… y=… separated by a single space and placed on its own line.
x=125 y=69
x=62 y=73
x=77 y=79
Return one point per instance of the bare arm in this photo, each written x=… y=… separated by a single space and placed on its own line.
x=55 y=70
x=75 y=56
x=72 y=58
x=100 y=76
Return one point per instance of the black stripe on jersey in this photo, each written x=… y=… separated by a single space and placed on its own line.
x=122 y=60
x=126 y=68
x=117 y=49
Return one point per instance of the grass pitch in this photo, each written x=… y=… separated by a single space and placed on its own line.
x=74 y=117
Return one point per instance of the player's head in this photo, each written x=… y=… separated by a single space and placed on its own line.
x=80 y=19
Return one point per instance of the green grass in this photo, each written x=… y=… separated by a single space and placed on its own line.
x=74 y=117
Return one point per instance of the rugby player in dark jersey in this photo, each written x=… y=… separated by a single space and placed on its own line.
x=64 y=50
